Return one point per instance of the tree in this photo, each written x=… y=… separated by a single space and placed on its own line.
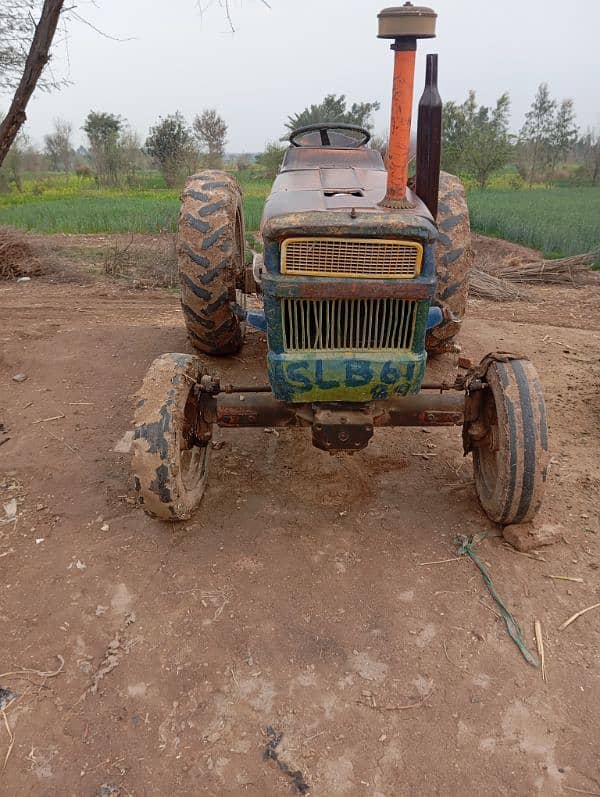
x=380 y=143
x=475 y=139
x=23 y=74
x=535 y=137
x=589 y=148
x=170 y=143
x=58 y=146
x=19 y=34
x=33 y=160
x=270 y=159
x=12 y=168
x=549 y=133
x=103 y=130
x=489 y=143
x=243 y=163
x=454 y=134
x=211 y=132
x=17 y=28
x=564 y=133
x=334 y=109
x=132 y=155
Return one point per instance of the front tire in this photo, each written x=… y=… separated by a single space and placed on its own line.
x=169 y=466
x=210 y=250
x=510 y=456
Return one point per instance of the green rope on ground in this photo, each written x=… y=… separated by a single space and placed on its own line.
x=466 y=547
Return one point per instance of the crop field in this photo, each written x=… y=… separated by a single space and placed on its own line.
x=100 y=212
x=69 y=205
x=559 y=221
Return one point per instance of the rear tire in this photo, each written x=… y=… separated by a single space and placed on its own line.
x=210 y=249
x=169 y=466
x=453 y=261
x=510 y=462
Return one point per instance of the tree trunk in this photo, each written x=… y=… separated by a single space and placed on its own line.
x=533 y=163
x=36 y=61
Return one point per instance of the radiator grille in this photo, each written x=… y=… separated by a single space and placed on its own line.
x=343 y=324
x=351 y=257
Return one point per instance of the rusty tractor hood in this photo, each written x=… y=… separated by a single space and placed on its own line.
x=340 y=184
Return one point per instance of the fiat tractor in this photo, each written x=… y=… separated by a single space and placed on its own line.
x=364 y=275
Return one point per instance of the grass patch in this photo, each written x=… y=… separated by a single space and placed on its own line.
x=113 y=213
x=93 y=214
x=558 y=221
x=73 y=205
x=253 y=208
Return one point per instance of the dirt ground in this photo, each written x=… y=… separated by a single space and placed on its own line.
x=307 y=598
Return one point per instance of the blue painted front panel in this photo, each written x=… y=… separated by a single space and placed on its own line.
x=330 y=376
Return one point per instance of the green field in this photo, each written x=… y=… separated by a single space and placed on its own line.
x=94 y=214
x=69 y=205
x=559 y=221
x=107 y=213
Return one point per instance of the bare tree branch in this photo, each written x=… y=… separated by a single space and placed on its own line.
x=227 y=12
x=85 y=21
x=16 y=24
x=225 y=5
x=37 y=58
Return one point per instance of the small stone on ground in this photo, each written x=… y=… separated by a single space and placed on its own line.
x=527 y=536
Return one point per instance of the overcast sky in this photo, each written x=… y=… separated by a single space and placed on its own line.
x=281 y=59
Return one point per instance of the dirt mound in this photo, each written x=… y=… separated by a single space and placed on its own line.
x=19 y=256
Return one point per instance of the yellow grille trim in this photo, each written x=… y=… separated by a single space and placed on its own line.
x=360 y=258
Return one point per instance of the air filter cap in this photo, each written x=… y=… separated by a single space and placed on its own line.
x=407 y=21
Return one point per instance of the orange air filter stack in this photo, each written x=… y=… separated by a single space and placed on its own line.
x=404 y=24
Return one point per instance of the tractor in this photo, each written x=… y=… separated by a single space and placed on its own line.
x=364 y=274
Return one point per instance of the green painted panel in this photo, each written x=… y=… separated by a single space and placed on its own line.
x=345 y=376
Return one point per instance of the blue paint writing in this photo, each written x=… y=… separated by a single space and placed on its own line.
x=324 y=384
x=358 y=373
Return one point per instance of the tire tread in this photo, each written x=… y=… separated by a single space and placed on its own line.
x=211 y=204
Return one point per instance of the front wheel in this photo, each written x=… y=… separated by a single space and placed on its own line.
x=509 y=440
x=170 y=465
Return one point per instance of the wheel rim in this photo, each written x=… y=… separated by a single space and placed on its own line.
x=193 y=456
x=193 y=462
x=487 y=448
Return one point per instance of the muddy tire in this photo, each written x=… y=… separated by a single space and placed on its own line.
x=210 y=250
x=453 y=261
x=169 y=469
x=510 y=462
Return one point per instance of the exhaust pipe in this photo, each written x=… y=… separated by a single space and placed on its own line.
x=429 y=139
x=404 y=24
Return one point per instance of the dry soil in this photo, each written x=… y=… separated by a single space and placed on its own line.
x=313 y=597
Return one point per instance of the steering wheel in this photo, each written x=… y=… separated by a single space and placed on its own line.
x=324 y=127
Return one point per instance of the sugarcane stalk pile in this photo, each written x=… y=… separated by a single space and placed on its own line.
x=499 y=283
